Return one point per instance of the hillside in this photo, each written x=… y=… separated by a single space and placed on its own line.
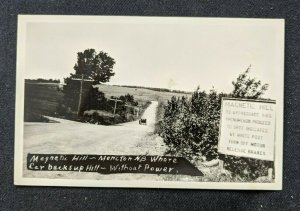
x=140 y=94
x=40 y=99
x=43 y=98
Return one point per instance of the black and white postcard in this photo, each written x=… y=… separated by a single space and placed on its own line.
x=154 y=102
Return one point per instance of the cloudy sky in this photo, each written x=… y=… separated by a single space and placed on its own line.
x=168 y=53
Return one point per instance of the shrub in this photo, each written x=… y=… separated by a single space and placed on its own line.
x=190 y=127
x=158 y=117
x=247 y=167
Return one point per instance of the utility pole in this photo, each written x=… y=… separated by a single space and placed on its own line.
x=80 y=95
x=115 y=107
x=137 y=108
x=80 y=91
x=116 y=101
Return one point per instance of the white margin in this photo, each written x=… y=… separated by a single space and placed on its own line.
x=19 y=114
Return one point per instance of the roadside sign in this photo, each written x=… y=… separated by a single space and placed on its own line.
x=247 y=128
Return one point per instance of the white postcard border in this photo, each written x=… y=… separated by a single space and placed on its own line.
x=19 y=124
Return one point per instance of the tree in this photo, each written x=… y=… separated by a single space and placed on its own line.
x=93 y=66
x=129 y=99
x=246 y=87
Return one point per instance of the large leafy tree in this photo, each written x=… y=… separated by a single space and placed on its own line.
x=94 y=66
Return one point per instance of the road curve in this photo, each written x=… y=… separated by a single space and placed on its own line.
x=69 y=137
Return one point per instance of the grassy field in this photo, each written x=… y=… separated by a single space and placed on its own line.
x=40 y=99
x=43 y=98
x=140 y=94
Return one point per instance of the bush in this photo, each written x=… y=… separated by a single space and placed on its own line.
x=247 y=167
x=190 y=127
x=158 y=117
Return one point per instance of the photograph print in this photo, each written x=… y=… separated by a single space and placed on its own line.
x=153 y=102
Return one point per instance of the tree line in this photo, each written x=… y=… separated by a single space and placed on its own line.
x=42 y=80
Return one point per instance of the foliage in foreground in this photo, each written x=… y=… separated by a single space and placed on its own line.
x=190 y=127
x=96 y=108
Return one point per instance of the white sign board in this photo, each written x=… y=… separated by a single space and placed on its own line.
x=247 y=128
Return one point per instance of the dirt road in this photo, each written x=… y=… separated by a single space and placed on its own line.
x=69 y=137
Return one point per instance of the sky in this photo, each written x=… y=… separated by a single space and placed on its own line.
x=178 y=54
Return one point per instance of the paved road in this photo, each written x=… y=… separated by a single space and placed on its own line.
x=69 y=137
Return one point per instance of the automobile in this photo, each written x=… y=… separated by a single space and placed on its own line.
x=143 y=121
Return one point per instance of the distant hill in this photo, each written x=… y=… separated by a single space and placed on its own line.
x=156 y=89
